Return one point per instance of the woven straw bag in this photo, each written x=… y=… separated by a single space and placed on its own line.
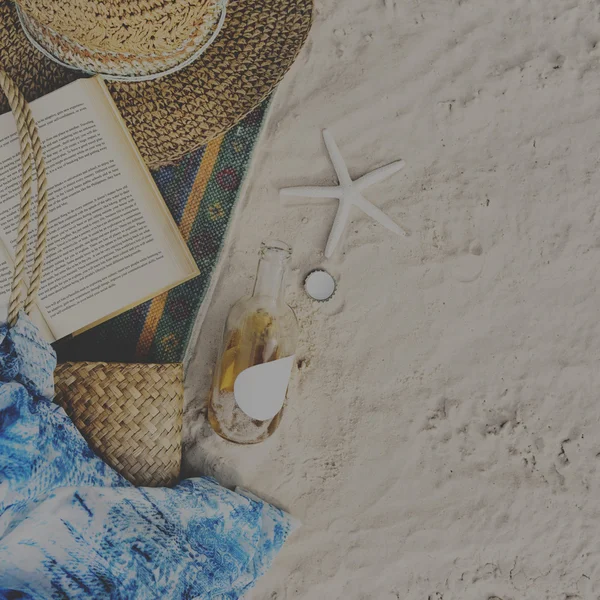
x=130 y=414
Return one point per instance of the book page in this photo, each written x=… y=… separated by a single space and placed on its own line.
x=111 y=240
x=6 y=274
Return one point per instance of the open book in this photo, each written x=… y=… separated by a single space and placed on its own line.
x=112 y=243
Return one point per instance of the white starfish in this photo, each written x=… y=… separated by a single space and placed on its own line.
x=349 y=193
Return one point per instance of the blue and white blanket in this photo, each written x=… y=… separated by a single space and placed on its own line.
x=71 y=527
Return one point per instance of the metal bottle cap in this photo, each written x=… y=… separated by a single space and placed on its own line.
x=319 y=285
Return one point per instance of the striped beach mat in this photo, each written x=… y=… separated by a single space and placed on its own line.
x=201 y=191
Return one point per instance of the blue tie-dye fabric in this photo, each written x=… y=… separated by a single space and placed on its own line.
x=71 y=527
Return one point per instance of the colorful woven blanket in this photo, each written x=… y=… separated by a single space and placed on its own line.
x=201 y=192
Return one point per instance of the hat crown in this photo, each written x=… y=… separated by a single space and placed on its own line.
x=138 y=27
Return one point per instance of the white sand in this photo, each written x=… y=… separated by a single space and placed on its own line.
x=443 y=437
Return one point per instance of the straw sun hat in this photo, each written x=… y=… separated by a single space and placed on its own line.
x=180 y=71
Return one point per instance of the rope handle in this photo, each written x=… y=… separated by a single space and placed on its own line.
x=31 y=158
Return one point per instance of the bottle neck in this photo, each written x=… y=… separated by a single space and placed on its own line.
x=270 y=273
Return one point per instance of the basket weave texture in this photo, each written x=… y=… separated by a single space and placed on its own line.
x=130 y=414
x=128 y=48
x=139 y=27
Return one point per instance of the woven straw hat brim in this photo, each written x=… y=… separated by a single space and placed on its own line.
x=176 y=114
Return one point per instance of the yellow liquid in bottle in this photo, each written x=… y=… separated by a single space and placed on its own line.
x=253 y=344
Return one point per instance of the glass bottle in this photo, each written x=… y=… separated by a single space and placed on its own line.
x=256 y=356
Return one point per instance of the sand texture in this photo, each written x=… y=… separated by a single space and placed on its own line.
x=442 y=438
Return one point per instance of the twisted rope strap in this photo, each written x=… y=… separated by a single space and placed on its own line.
x=31 y=157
